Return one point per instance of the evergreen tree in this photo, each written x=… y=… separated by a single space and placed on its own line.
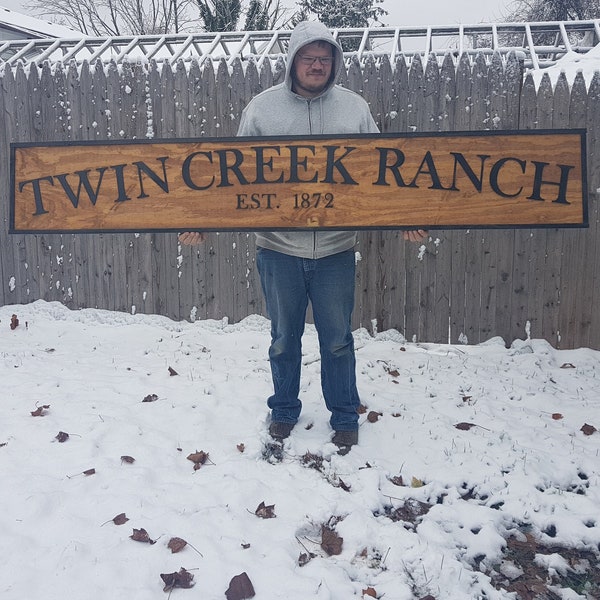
x=339 y=15
x=220 y=15
x=257 y=16
x=226 y=15
x=351 y=13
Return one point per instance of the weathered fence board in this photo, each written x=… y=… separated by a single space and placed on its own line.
x=540 y=289
x=29 y=120
x=578 y=256
x=446 y=94
x=400 y=100
x=593 y=136
x=459 y=285
x=513 y=74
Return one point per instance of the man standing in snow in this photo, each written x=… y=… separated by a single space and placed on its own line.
x=296 y=267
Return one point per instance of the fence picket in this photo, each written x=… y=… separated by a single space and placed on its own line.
x=447 y=94
x=400 y=100
x=593 y=148
x=513 y=74
x=578 y=258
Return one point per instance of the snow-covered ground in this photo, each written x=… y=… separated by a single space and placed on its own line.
x=478 y=466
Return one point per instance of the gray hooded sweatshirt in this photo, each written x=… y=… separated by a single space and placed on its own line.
x=280 y=111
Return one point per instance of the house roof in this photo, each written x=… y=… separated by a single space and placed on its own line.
x=17 y=26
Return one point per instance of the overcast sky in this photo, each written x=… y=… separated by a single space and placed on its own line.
x=404 y=12
x=443 y=12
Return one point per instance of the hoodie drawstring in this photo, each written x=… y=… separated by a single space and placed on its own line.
x=321 y=115
x=309 y=102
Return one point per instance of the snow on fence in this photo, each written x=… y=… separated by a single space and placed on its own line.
x=460 y=286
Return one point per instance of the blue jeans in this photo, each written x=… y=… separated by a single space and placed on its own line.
x=288 y=284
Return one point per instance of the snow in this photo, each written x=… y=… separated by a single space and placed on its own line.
x=521 y=464
x=571 y=64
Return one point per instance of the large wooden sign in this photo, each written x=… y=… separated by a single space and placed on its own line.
x=454 y=180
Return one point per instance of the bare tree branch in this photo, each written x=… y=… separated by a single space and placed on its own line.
x=553 y=10
x=120 y=17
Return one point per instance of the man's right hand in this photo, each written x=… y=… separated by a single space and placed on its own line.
x=415 y=235
x=191 y=238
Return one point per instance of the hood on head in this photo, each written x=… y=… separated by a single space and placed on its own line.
x=307 y=32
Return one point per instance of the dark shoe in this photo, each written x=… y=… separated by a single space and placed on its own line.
x=344 y=440
x=279 y=430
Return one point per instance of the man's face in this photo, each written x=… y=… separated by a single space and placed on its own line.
x=311 y=74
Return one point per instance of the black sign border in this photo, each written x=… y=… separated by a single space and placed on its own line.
x=581 y=132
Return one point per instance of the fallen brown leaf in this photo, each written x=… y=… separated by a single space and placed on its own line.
x=88 y=472
x=40 y=411
x=465 y=426
x=180 y=579
x=120 y=519
x=369 y=592
x=141 y=535
x=198 y=458
x=557 y=416
x=373 y=416
x=127 y=459
x=176 y=544
x=14 y=322
x=240 y=588
x=265 y=511
x=588 y=429
x=172 y=372
x=241 y=447
x=150 y=398
x=331 y=542
x=61 y=436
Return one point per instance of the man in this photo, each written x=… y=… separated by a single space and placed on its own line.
x=317 y=266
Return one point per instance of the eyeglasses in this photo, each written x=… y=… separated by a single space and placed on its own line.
x=309 y=61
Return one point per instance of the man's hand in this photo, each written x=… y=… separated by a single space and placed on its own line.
x=191 y=238
x=415 y=235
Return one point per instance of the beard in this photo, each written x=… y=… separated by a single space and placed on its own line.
x=310 y=84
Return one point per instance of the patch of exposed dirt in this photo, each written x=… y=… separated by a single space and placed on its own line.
x=531 y=580
x=410 y=513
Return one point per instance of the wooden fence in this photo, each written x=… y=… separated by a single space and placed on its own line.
x=459 y=286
